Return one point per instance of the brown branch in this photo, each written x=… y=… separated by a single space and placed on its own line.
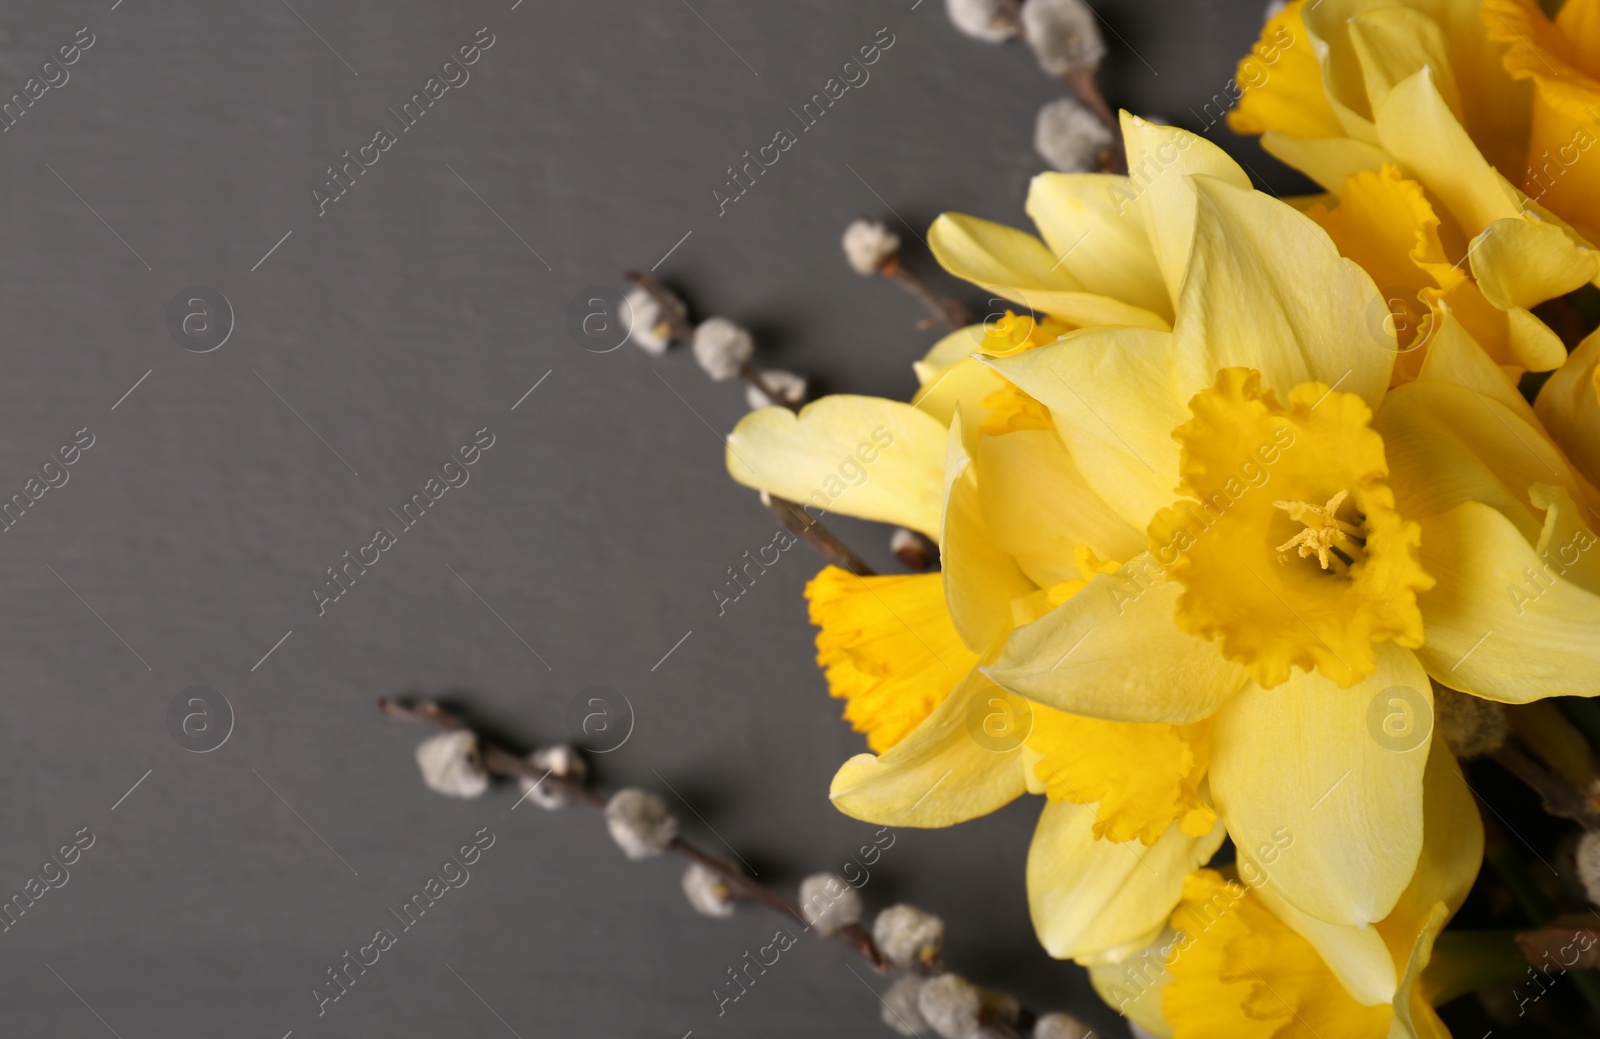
x=1559 y=935
x=794 y=519
x=1559 y=798
x=749 y=374
x=941 y=309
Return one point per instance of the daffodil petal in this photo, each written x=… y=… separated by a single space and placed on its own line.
x=1309 y=310
x=1122 y=439
x=1569 y=405
x=961 y=386
x=1019 y=267
x=1135 y=985
x=861 y=456
x=1305 y=758
x=939 y=775
x=1521 y=263
x=1329 y=161
x=1356 y=955
x=1452 y=851
x=1393 y=43
x=1040 y=508
x=980 y=579
x=1112 y=651
x=1086 y=220
x=1091 y=897
x=1160 y=159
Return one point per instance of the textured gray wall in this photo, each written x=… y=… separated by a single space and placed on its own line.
x=371 y=343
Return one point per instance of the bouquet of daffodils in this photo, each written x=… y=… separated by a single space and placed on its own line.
x=1256 y=518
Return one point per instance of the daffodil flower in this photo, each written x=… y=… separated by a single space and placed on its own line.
x=1238 y=961
x=1443 y=162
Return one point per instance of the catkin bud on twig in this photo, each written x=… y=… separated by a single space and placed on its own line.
x=722 y=348
x=647 y=326
x=1588 y=856
x=1064 y=35
x=952 y=1005
x=708 y=891
x=560 y=761
x=829 y=903
x=908 y=937
x=868 y=245
x=451 y=765
x=1062 y=1026
x=1470 y=725
x=900 y=1007
x=640 y=823
x=789 y=387
x=988 y=20
x=1071 y=137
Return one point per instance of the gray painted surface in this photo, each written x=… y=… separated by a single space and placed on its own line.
x=368 y=345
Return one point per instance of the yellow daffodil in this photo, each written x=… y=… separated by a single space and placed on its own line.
x=1444 y=163
x=1237 y=961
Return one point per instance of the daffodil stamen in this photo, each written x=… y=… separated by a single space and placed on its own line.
x=1323 y=531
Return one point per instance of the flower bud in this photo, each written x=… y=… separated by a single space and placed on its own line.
x=952 y=1006
x=452 y=766
x=868 y=245
x=647 y=325
x=1062 y=1026
x=790 y=388
x=561 y=762
x=640 y=823
x=912 y=549
x=900 y=1008
x=1064 y=35
x=829 y=903
x=1471 y=725
x=907 y=936
x=708 y=892
x=1070 y=137
x=722 y=348
x=986 y=20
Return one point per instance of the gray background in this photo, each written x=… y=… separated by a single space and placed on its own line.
x=397 y=324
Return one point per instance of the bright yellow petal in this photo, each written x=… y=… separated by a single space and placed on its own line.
x=1018 y=266
x=1329 y=161
x=1039 y=508
x=1090 y=898
x=1569 y=405
x=1393 y=43
x=1520 y=263
x=1306 y=758
x=962 y=386
x=1085 y=217
x=940 y=774
x=1112 y=651
x=1267 y=289
x=980 y=579
x=888 y=648
x=1282 y=81
x=1160 y=161
x=1357 y=956
x=861 y=456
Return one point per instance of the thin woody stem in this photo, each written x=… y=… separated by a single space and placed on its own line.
x=1559 y=798
x=1085 y=85
x=795 y=521
x=757 y=379
x=941 y=309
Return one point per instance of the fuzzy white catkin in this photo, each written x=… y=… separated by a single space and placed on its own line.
x=1471 y=726
x=952 y=1005
x=907 y=935
x=1589 y=865
x=1062 y=1026
x=1070 y=137
x=645 y=327
x=867 y=245
x=1064 y=35
x=986 y=20
x=1274 y=8
x=901 y=1011
x=722 y=348
x=790 y=388
x=560 y=761
x=451 y=766
x=707 y=892
x=640 y=823
x=829 y=903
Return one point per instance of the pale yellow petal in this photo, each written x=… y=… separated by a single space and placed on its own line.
x=980 y=579
x=1039 y=508
x=962 y=386
x=939 y=775
x=1112 y=651
x=1306 y=758
x=1327 y=160
x=1086 y=219
x=1018 y=266
x=1160 y=159
x=1090 y=897
x=1392 y=44
x=953 y=347
x=1452 y=851
x=1356 y=955
x=1134 y=985
x=1569 y=404
x=860 y=456
x=1522 y=263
